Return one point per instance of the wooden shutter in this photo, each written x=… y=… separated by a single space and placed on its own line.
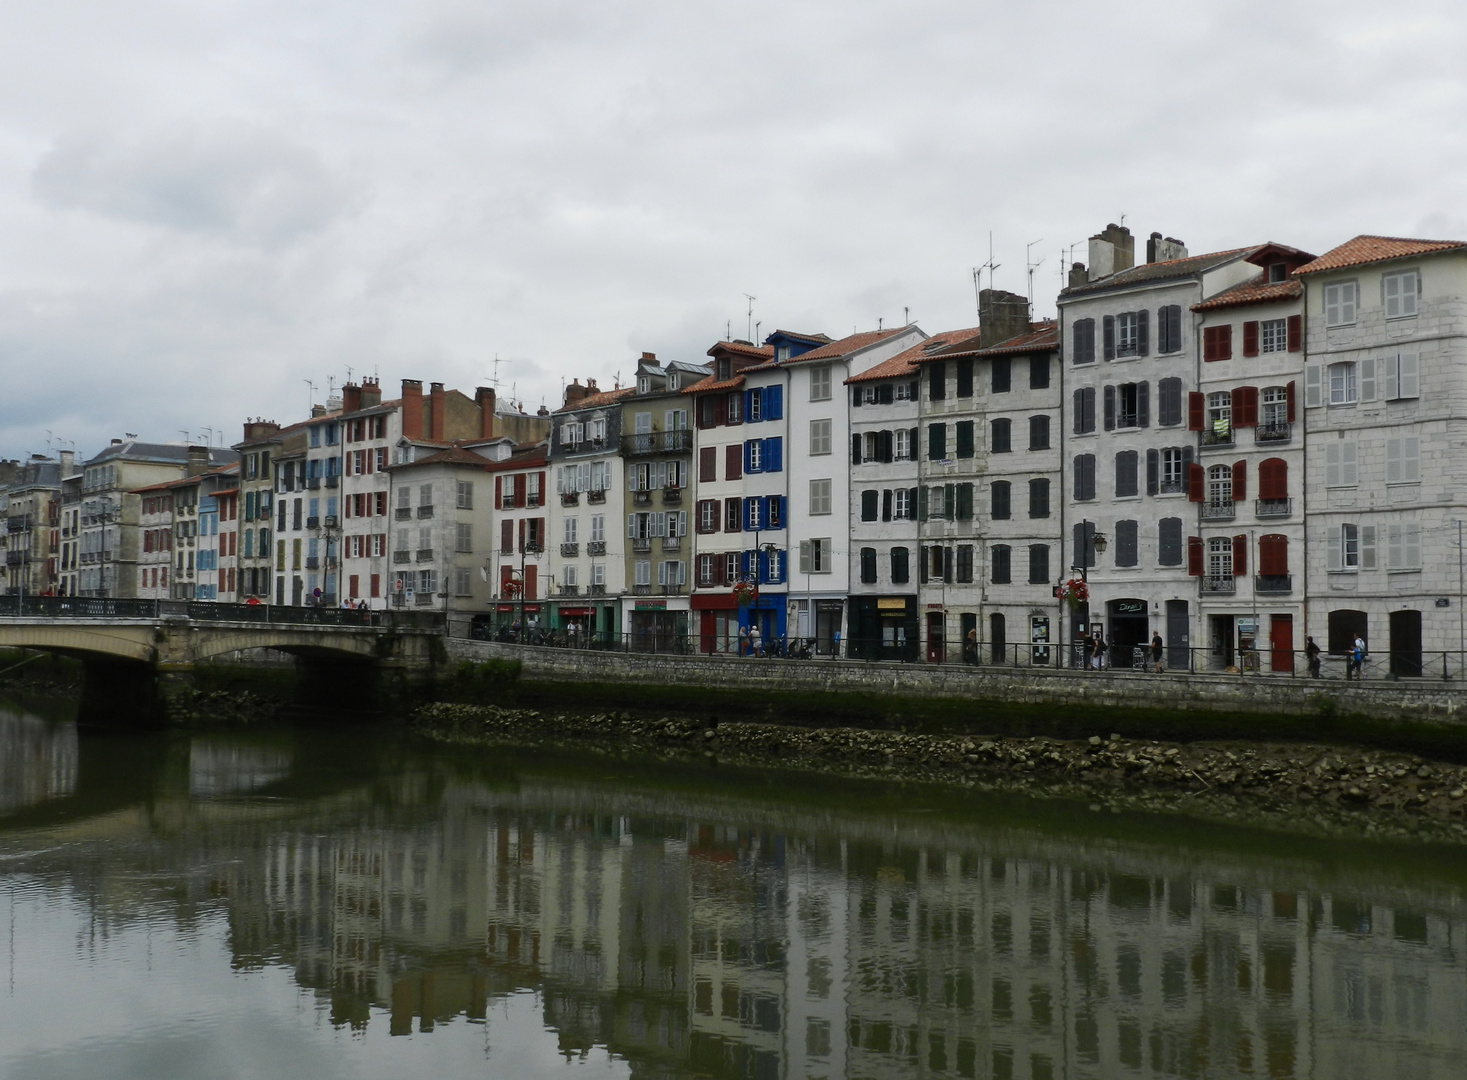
x=1109 y=336
x=1250 y=338
x=1273 y=479
x=1196 y=410
x=1153 y=470
x=733 y=461
x=1296 y=333
x=519 y=489
x=1273 y=555
x=1110 y=408
x=532 y=575
x=1143 y=333
x=1240 y=555
x=855 y=448
x=1143 y=404
x=1289 y=402
x=856 y=395
x=522 y=534
x=1240 y=481
x=886 y=501
x=498 y=492
x=1196 y=482
x=707 y=465
x=884 y=441
x=1195 y=557
x=1250 y=408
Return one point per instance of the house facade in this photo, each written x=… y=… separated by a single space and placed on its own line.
x=522 y=563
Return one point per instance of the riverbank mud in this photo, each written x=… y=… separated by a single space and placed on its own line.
x=1322 y=790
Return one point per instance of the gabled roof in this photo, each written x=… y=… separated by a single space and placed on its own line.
x=521 y=457
x=160 y=453
x=844 y=347
x=743 y=348
x=1256 y=290
x=1041 y=335
x=1372 y=249
x=597 y=401
x=709 y=384
x=905 y=362
x=1157 y=271
x=818 y=339
x=454 y=455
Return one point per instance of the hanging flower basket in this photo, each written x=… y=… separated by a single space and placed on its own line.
x=1075 y=592
x=510 y=589
x=744 y=592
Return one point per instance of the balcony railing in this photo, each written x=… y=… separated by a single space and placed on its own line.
x=1274 y=508
x=313 y=482
x=657 y=442
x=672 y=495
x=1217 y=436
x=672 y=543
x=333 y=481
x=1273 y=433
x=596 y=547
x=404 y=513
x=570 y=498
x=597 y=590
x=641 y=590
x=671 y=590
x=425 y=554
x=1171 y=487
x=1219 y=510
x=596 y=496
x=17 y=524
x=313 y=562
x=642 y=544
x=1215 y=585
x=14 y=558
x=1273 y=583
x=402 y=556
x=570 y=590
x=313 y=522
x=425 y=511
x=570 y=551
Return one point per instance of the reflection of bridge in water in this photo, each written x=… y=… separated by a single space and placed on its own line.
x=125 y=645
x=723 y=935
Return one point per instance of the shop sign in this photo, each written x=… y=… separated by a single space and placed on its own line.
x=650 y=605
x=505 y=607
x=577 y=611
x=1130 y=607
x=891 y=605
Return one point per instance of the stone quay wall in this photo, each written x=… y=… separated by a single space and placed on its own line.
x=1406 y=699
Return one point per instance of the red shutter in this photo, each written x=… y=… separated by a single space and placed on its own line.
x=522 y=534
x=1240 y=481
x=1289 y=399
x=1250 y=407
x=506 y=574
x=733 y=461
x=1217 y=343
x=519 y=489
x=1196 y=482
x=1240 y=556
x=1239 y=405
x=1225 y=342
x=1196 y=411
x=720 y=410
x=532 y=572
x=1273 y=479
x=1250 y=338
x=707 y=465
x=498 y=489
x=1296 y=333
x=506 y=536
x=1273 y=555
x=1194 y=556
x=1209 y=344
x=540 y=533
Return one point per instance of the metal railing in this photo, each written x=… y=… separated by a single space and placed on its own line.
x=1273 y=433
x=102 y=607
x=1219 y=510
x=1217 y=585
x=1273 y=508
x=657 y=442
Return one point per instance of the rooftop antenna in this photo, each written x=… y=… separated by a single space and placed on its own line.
x=990 y=266
x=879 y=321
x=185 y=435
x=755 y=338
x=750 y=329
x=312 y=385
x=728 y=331
x=348 y=373
x=906 y=316
x=495 y=381
x=208 y=434
x=330 y=387
x=1033 y=266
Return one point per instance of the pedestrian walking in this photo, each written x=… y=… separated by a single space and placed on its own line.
x=744 y=641
x=1311 y=654
x=1157 y=651
x=1087 y=649
x=756 y=641
x=1357 y=657
x=1099 y=661
x=835 y=645
x=970 y=647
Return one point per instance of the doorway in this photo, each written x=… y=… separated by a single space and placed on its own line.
x=1345 y=625
x=1281 y=643
x=1220 y=633
x=968 y=624
x=1406 y=644
x=1178 y=642
x=1128 y=629
x=998 y=645
x=936 y=642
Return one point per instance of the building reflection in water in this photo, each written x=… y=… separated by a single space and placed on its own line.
x=38 y=760
x=702 y=935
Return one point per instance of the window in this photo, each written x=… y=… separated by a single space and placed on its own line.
x=1169 y=329
x=570 y=530
x=754 y=455
x=999 y=570
x=902 y=504
x=868 y=566
x=936 y=442
x=815 y=556
x=904 y=445
x=1340 y=463
x=1084 y=410
x=1084 y=472
x=1039 y=498
x=999 y=500
x=1220 y=557
x=732 y=515
x=598 y=529
x=819 y=437
x=754 y=399
x=999 y=439
x=1000 y=375
x=642 y=572
x=965 y=377
x=906 y=391
x=1220 y=416
x=1127 y=468
x=1220 y=486
x=1217 y=343
x=705 y=570
x=735 y=408
x=1273 y=335
x=1172 y=476
x=1126 y=406
x=1038 y=433
x=965 y=564
x=1344 y=387
x=463 y=537
x=820 y=382
x=1038 y=564
x=1273 y=414
x=1083 y=351
x=1038 y=372
x=1403 y=460
x=1169 y=542
x=707 y=515
x=936 y=381
x=1126 y=543
x=1399 y=292
x=1344 y=551
x=1128 y=333
x=820 y=497
x=1403 y=546
x=870 y=505
x=901 y=571
x=1340 y=300
x=1401 y=375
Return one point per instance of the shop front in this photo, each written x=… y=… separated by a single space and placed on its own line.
x=1128 y=632
x=768 y=613
x=659 y=626
x=717 y=617
x=884 y=628
x=587 y=625
x=818 y=621
x=507 y=618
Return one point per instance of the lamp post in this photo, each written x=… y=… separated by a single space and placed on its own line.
x=1094 y=543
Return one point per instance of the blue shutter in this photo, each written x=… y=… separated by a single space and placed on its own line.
x=748 y=522
x=773 y=453
x=774 y=403
x=782 y=508
x=749 y=404
x=763 y=567
x=748 y=458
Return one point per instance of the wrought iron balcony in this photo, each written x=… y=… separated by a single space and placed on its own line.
x=1273 y=434
x=657 y=442
x=570 y=590
x=642 y=544
x=333 y=481
x=425 y=511
x=313 y=562
x=404 y=513
x=596 y=496
x=641 y=498
x=1274 y=508
x=313 y=522
x=641 y=590
x=570 y=498
x=1217 y=436
x=672 y=543
x=1215 y=585
x=1274 y=583
x=425 y=554
x=570 y=551
x=672 y=495
x=596 y=547
x=1219 y=510
x=597 y=590
x=402 y=556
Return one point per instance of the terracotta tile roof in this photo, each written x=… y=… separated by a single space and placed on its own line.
x=905 y=363
x=708 y=384
x=1158 y=271
x=1371 y=249
x=521 y=457
x=596 y=401
x=454 y=455
x=843 y=347
x=1043 y=335
x=1256 y=290
x=743 y=348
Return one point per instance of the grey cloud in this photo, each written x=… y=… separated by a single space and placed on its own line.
x=223 y=178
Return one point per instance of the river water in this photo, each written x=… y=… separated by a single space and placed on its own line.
x=340 y=902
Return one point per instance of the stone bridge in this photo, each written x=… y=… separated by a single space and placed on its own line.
x=127 y=646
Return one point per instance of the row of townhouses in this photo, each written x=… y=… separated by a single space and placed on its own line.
x=1237 y=450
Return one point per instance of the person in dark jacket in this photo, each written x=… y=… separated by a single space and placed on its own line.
x=1157 y=650
x=1311 y=654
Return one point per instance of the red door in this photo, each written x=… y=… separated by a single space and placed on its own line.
x=936 y=646
x=1281 y=641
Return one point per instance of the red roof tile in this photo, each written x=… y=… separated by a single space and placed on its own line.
x=843 y=347
x=454 y=455
x=905 y=363
x=708 y=384
x=1256 y=290
x=596 y=401
x=1372 y=249
x=743 y=348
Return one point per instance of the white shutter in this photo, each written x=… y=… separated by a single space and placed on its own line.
x=1367 y=379
x=1410 y=380
x=1390 y=378
x=1391 y=284
x=1348 y=477
x=1412 y=544
x=1411 y=459
x=682 y=523
x=1313 y=386
x=583 y=477
x=1393 y=461
x=1332 y=453
x=682 y=572
x=804 y=556
x=657 y=525
x=1332 y=305
x=1334 y=545
x=1367 y=547
x=662 y=573
x=631 y=526
x=632 y=478
x=1393 y=547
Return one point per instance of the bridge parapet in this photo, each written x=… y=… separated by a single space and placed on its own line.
x=105 y=607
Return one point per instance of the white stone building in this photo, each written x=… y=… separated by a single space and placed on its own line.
x=1385 y=394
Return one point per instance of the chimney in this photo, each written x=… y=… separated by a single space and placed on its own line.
x=1078 y=276
x=1164 y=250
x=484 y=397
x=650 y=359
x=68 y=463
x=1001 y=316
x=1112 y=250
x=412 y=408
x=543 y=410
x=371 y=393
x=317 y=411
x=198 y=459
x=575 y=392
x=351 y=397
x=591 y=387
x=436 y=405
x=116 y=442
x=259 y=429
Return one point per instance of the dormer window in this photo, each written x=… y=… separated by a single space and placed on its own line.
x=673 y=381
x=782 y=353
x=644 y=384
x=1278 y=272
x=725 y=369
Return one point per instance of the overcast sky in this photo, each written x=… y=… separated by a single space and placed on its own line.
x=205 y=203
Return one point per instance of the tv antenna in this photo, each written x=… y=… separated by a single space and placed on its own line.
x=755 y=338
x=728 y=331
x=312 y=385
x=750 y=326
x=208 y=434
x=494 y=378
x=990 y=266
x=1033 y=266
x=906 y=316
